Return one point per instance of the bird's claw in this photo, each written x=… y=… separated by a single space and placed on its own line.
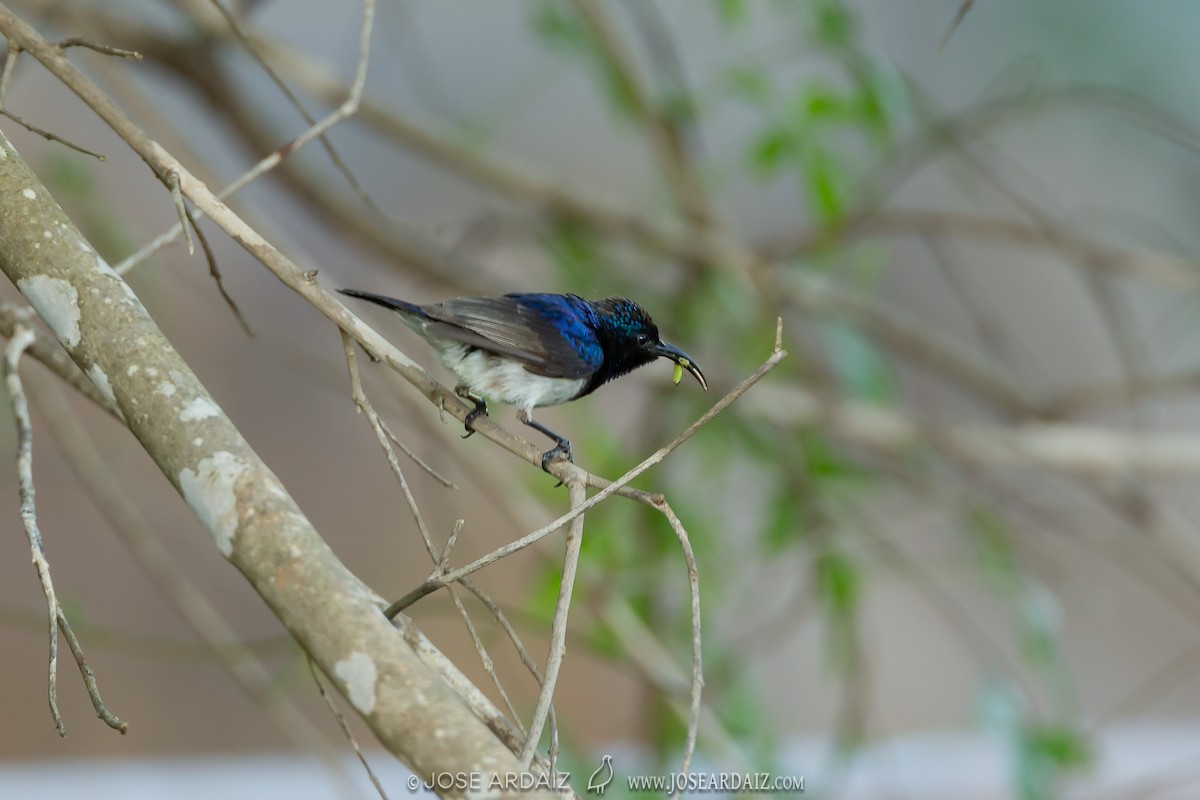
x=472 y=415
x=560 y=452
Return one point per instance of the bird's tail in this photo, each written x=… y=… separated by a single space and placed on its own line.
x=402 y=306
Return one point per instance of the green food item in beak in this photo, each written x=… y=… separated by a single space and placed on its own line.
x=678 y=372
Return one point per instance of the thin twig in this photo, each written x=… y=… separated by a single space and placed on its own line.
x=665 y=137
x=104 y=49
x=364 y=405
x=558 y=627
x=215 y=272
x=89 y=677
x=416 y=459
x=22 y=338
x=341 y=166
x=345 y=726
x=10 y=68
x=382 y=432
x=181 y=211
x=173 y=580
x=51 y=354
x=436 y=582
x=697 y=687
x=347 y=109
x=485 y=657
x=958 y=18
x=515 y=638
x=50 y=136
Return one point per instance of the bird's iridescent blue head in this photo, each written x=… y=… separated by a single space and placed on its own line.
x=632 y=340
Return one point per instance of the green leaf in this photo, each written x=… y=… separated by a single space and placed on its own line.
x=558 y=27
x=824 y=180
x=834 y=24
x=821 y=103
x=838 y=583
x=1046 y=753
x=1064 y=747
x=732 y=13
x=771 y=149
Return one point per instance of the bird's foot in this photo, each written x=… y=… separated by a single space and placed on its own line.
x=480 y=410
x=469 y=423
x=560 y=452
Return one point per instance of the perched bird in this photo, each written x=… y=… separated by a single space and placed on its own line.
x=533 y=350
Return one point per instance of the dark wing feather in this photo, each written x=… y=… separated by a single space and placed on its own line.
x=507 y=327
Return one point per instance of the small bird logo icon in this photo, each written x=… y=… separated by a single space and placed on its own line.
x=602 y=777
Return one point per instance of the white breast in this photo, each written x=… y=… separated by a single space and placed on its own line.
x=505 y=381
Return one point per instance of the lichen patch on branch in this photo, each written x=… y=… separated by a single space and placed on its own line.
x=358 y=672
x=211 y=491
x=57 y=302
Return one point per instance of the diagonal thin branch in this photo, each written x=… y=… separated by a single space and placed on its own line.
x=236 y=28
x=558 y=627
x=347 y=109
x=214 y=271
x=436 y=582
x=345 y=727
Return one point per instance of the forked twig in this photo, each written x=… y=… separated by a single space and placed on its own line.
x=435 y=582
x=347 y=109
x=22 y=338
x=10 y=66
x=385 y=439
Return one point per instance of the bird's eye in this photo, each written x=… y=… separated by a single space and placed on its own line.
x=643 y=338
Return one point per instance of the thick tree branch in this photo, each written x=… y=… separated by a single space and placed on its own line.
x=252 y=519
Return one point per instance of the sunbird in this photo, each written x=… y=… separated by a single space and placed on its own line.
x=534 y=350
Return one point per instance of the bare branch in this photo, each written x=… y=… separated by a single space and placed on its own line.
x=174 y=581
x=347 y=109
x=959 y=16
x=215 y=272
x=693 y=572
x=436 y=582
x=558 y=627
x=22 y=338
x=254 y=522
x=51 y=354
x=345 y=728
x=181 y=211
x=104 y=49
x=338 y=163
x=665 y=136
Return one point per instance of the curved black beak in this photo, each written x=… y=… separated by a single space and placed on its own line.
x=682 y=359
